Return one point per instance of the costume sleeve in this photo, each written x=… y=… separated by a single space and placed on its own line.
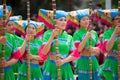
x=42 y=55
x=102 y=45
x=106 y=37
x=16 y=50
x=46 y=37
x=76 y=39
x=73 y=51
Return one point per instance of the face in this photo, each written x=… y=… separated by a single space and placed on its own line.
x=61 y=23
x=100 y=25
x=10 y=27
x=31 y=30
x=69 y=31
x=84 y=22
x=116 y=21
x=101 y=37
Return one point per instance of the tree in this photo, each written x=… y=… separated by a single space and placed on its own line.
x=19 y=6
x=114 y=4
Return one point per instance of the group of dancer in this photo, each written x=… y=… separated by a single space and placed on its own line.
x=80 y=48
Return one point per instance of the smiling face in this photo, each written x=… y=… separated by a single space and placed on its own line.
x=61 y=23
x=31 y=30
x=84 y=22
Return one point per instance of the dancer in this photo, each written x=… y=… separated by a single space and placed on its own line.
x=109 y=69
x=82 y=43
x=67 y=51
x=34 y=56
x=12 y=52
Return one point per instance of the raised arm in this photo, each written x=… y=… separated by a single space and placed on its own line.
x=47 y=46
x=82 y=44
x=110 y=42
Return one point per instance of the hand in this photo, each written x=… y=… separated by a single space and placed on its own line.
x=55 y=32
x=117 y=29
x=90 y=49
x=89 y=34
x=3 y=63
x=30 y=56
x=28 y=37
x=60 y=62
x=3 y=40
x=90 y=27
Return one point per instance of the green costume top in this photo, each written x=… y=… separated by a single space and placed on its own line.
x=65 y=45
x=18 y=40
x=82 y=64
x=107 y=35
x=110 y=66
x=18 y=43
x=10 y=52
x=81 y=33
x=34 y=68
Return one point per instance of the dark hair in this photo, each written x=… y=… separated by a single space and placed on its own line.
x=17 y=34
x=102 y=23
x=97 y=28
x=70 y=27
x=99 y=5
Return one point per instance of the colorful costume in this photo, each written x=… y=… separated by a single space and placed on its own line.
x=65 y=43
x=65 y=46
x=34 y=67
x=18 y=40
x=82 y=64
x=8 y=11
x=110 y=67
x=10 y=52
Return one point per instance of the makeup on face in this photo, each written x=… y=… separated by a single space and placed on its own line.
x=84 y=22
x=31 y=30
x=61 y=23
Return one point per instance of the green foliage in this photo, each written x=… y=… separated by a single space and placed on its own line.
x=114 y=3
